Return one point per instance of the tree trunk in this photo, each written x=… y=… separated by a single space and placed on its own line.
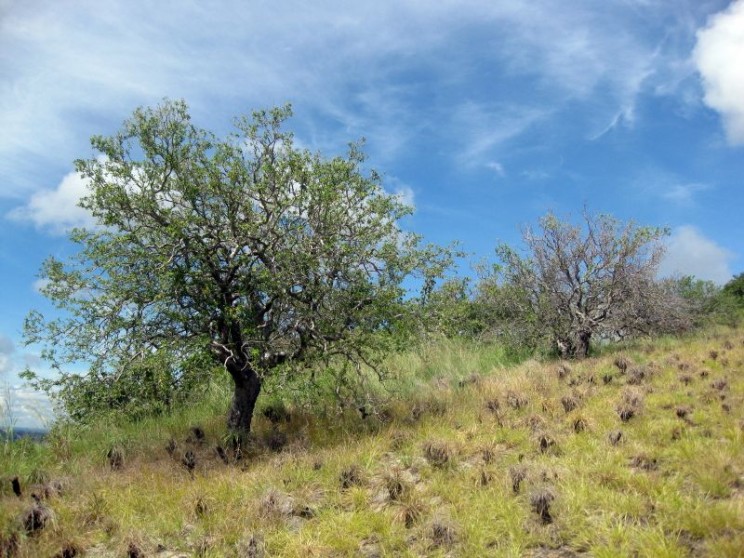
x=574 y=346
x=247 y=387
x=582 y=345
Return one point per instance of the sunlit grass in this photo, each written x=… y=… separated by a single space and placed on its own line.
x=432 y=473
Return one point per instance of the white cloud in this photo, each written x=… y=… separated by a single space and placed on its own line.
x=684 y=194
x=689 y=252
x=406 y=195
x=25 y=407
x=69 y=69
x=719 y=56
x=7 y=348
x=57 y=210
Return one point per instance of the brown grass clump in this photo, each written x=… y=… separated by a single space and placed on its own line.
x=683 y=411
x=562 y=371
x=517 y=474
x=713 y=355
x=580 y=424
x=171 y=447
x=728 y=345
x=408 y=512
x=442 y=533
x=278 y=504
x=685 y=379
x=629 y=405
x=615 y=437
x=493 y=405
x=69 y=550
x=516 y=400
x=16 y=485
x=134 y=551
x=275 y=440
x=636 y=375
x=540 y=501
x=473 y=379
x=189 y=461
x=9 y=545
x=720 y=384
x=622 y=363
x=545 y=443
x=252 y=546
x=115 y=458
x=351 y=476
x=644 y=462
x=439 y=454
x=397 y=483
x=569 y=402
x=36 y=518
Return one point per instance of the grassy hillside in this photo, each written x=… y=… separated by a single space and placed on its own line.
x=636 y=452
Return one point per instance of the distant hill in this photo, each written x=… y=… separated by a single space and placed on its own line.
x=35 y=433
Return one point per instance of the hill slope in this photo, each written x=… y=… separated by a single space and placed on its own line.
x=634 y=453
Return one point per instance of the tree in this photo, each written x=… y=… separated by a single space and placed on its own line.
x=246 y=250
x=735 y=289
x=580 y=282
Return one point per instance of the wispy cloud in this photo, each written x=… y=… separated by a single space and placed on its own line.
x=719 y=56
x=74 y=68
x=669 y=186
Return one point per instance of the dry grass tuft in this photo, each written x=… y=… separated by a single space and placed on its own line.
x=442 y=533
x=622 y=363
x=580 y=424
x=351 y=476
x=517 y=474
x=685 y=379
x=562 y=371
x=720 y=384
x=615 y=437
x=36 y=518
x=569 y=402
x=636 y=375
x=540 y=501
x=134 y=551
x=516 y=400
x=438 y=453
x=69 y=550
x=115 y=457
x=252 y=546
x=644 y=462
x=9 y=545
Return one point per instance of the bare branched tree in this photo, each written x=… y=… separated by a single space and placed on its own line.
x=588 y=281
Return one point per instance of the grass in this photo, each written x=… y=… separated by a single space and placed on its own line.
x=432 y=475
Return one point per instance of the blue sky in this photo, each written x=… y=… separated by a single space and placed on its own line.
x=482 y=114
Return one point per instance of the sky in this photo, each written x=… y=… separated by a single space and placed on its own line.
x=482 y=114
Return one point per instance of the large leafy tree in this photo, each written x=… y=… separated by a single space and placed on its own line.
x=246 y=251
x=596 y=279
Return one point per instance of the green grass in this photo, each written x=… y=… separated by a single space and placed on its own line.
x=433 y=470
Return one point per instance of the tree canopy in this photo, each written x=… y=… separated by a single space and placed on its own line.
x=596 y=279
x=244 y=252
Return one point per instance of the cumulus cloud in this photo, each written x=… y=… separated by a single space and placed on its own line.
x=689 y=252
x=56 y=210
x=25 y=407
x=719 y=56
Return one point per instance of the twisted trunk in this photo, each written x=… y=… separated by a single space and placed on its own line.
x=247 y=388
